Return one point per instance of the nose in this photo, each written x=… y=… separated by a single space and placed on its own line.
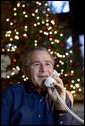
x=42 y=68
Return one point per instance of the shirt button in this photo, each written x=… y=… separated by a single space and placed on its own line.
x=39 y=115
x=61 y=122
x=40 y=100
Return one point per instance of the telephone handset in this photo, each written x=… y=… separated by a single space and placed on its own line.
x=50 y=83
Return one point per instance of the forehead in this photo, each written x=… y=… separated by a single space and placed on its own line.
x=40 y=55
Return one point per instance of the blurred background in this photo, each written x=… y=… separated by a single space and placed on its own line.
x=56 y=25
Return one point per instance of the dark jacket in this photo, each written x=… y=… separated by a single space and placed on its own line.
x=22 y=105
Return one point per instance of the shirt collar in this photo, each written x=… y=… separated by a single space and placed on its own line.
x=30 y=88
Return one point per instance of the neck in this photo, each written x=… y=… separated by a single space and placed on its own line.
x=41 y=91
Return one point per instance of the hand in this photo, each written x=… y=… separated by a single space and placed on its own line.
x=62 y=92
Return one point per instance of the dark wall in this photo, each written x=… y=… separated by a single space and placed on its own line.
x=77 y=15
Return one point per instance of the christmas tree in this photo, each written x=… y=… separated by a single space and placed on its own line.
x=31 y=23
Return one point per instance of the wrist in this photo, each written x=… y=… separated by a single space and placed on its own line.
x=61 y=112
x=60 y=107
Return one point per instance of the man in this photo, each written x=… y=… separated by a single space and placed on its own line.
x=31 y=102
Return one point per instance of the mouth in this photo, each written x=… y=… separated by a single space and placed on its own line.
x=43 y=77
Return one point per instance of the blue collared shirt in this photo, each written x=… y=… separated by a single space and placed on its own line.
x=22 y=105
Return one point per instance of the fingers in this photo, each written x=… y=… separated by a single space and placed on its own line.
x=52 y=94
x=59 y=82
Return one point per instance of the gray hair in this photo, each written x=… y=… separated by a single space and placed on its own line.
x=26 y=58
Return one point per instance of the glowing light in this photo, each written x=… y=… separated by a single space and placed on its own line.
x=43 y=22
x=47 y=20
x=24 y=12
x=17 y=33
x=18 y=5
x=62 y=70
x=35 y=44
x=8 y=76
x=77 y=85
x=24 y=34
x=33 y=14
x=72 y=81
x=18 y=68
x=23 y=5
x=37 y=17
x=49 y=50
x=57 y=65
x=3 y=49
x=15 y=9
x=26 y=16
x=46 y=4
x=70 y=61
x=50 y=32
x=23 y=76
x=52 y=42
x=11 y=23
x=47 y=24
x=61 y=34
x=71 y=86
x=36 y=11
x=48 y=9
x=56 y=40
x=11 y=39
x=72 y=71
x=12 y=73
x=71 y=51
x=55 y=32
x=38 y=23
x=41 y=31
x=78 y=79
x=74 y=87
x=15 y=14
x=67 y=54
x=49 y=28
x=16 y=37
x=80 y=89
x=35 y=41
x=73 y=92
x=52 y=21
x=7 y=19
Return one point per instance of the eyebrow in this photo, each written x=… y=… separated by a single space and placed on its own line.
x=47 y=61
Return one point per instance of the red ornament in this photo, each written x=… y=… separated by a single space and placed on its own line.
x=50 y=36
x=3 y=86
x=76 y=48
x=56 y=62
x=39 y=38
x=21 y=55
x=49 y=47
x=29 y=36
x=63 y=45
x=14 y=60
x=26 y=37
x=20 y=37
x=76 y=64
x=80 y=44
x=56 y=19
x=70 y=64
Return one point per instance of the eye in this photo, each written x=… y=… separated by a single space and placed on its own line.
x=48 y=64
x=36 y=64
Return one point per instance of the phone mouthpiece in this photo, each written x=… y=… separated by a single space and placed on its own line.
x=49 y=82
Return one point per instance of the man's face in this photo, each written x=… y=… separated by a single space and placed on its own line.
x=40 y=68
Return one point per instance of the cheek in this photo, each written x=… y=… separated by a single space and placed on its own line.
x=34 y=73
x=51 y=71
